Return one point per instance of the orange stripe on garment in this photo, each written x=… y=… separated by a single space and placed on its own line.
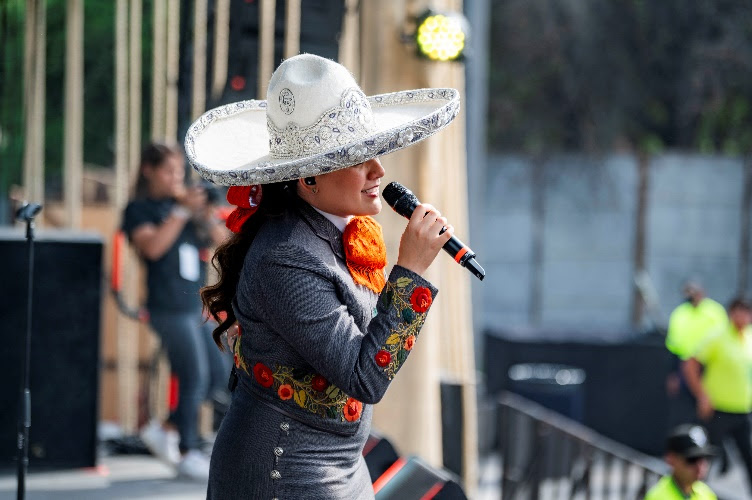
x=388 y=474
x=117 y=245
x=460 y=254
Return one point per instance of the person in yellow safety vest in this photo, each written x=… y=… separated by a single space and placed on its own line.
x=692 y=320
x=687 y=453
x=688 y=326
x=724 y=389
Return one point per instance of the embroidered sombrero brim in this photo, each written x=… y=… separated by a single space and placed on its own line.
x=229 y=145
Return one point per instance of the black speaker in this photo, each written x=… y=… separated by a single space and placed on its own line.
x=411 y=478
x=379 y=454
x=64 y=368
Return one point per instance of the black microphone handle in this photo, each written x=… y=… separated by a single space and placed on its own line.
x=404 y=202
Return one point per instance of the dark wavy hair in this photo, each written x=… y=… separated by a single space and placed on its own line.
x=228 y=260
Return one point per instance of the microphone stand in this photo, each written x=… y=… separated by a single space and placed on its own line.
x=26 y=213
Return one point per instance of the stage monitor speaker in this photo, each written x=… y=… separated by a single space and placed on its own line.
x=413 y=479
x=64 y=366
x=379 y=454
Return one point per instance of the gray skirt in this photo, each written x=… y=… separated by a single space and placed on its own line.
x=262 y=454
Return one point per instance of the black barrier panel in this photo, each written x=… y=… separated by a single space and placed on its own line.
x=64 y=350
x=452 y=425
x=624 y=388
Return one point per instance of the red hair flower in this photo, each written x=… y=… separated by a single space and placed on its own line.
x=352 y=409
x=409 y=343
x=421 y=299
x=263 y=375
x=285 y=392
x=383 y=358
x=247 y=199
x=319 y=383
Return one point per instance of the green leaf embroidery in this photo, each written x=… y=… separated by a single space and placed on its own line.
x=393 y=339
x=407 y=315
x=300 y=398
x=401 y=356
x=403 y=282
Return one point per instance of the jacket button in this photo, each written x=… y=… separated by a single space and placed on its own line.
x=278 y=451
x=276 y=475
x=284 y=426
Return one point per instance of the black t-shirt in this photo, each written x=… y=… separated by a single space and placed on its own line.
x=173 y=280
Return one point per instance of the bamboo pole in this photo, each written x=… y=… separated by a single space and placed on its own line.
x=200 y=18
x=436 y=169
x=349 y=46
x=266 y=46
x=173 y=69
x=34 y=98
x=127 y=331
x=73 y=142
x=134 y=121
x=158 y=72
x=221 y=46
x=292 y=29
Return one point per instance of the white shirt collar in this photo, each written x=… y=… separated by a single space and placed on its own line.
x=339 y=222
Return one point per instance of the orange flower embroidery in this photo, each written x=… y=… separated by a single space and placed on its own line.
x=409 y=343
x=352 y=409
x=383 y=358
x=421 y=299
x=285 y=392
x=263 y=375
x=319 y=383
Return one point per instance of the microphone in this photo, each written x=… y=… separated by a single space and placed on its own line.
x=403 y=201
x=28 y=211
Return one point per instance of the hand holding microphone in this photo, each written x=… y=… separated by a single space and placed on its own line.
x=405 y=203
x=425 y=234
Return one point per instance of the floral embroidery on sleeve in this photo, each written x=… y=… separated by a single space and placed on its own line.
x=311 y=392
x=409 y=303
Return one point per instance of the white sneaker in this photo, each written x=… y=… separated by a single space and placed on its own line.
x=163 y=443
x=194 y=465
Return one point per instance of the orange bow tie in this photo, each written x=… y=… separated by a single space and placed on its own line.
x=365 y=252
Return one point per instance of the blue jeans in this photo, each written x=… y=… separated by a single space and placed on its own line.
x=201 y=368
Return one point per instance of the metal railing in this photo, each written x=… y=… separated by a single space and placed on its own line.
x=547 y=455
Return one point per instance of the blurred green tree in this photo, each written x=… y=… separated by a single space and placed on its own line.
x=99 y=87
x=623 y=74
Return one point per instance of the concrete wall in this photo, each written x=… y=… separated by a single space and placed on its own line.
x=561 y=235
x=694 y=225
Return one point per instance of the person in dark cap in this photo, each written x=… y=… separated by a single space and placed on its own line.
x=687 y=452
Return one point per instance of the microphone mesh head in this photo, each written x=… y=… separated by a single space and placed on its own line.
x=401 y=199
x=393 y=192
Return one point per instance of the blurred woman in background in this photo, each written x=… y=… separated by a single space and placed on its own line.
x=171 y=226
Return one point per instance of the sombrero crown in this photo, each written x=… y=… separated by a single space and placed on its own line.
x=316 y=119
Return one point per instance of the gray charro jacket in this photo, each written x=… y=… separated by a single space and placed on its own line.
x=314 y=345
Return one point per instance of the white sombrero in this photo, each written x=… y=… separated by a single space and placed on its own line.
x=315 y=120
